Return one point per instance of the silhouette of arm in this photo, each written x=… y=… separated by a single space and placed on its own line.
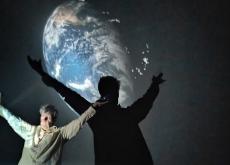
x=22 y=128
x=76 y=101
x=141 y=107
x=70 y=130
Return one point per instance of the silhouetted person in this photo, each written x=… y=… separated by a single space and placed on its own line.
x=117 y=136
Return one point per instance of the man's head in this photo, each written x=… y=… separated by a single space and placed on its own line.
x=48 y=115
x=108 y=88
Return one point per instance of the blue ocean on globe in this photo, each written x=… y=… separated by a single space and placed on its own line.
x=80 y=46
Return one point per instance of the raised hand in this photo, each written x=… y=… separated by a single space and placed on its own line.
x=36 y=65
x=158 y=79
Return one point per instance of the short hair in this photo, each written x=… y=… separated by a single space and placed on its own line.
x=48 y=108
x=108 y=85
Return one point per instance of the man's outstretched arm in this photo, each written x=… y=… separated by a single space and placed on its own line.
x=22 y=128
x=70 y=130
x=76 y=101
x=141 y=107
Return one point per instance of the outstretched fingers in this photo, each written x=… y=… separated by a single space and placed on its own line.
x=158 y=79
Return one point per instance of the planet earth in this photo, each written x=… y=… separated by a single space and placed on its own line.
x=80 y=46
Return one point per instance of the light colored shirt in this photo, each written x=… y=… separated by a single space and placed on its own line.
x=48 y=149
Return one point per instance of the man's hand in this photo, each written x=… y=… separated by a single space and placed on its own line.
x=36 y=65
x=98 y=104
x=158 y=79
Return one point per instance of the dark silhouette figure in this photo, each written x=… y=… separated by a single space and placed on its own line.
x=117 y=137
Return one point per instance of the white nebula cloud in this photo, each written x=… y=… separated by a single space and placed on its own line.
x=141 y=67
x=139 y=71
x=114 y=20
x=146 y=60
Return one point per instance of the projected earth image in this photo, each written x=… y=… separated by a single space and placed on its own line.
x=80 y=46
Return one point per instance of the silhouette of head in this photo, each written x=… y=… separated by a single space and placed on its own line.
x=108 y=88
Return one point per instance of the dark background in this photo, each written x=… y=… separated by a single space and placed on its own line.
x=188 y=124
